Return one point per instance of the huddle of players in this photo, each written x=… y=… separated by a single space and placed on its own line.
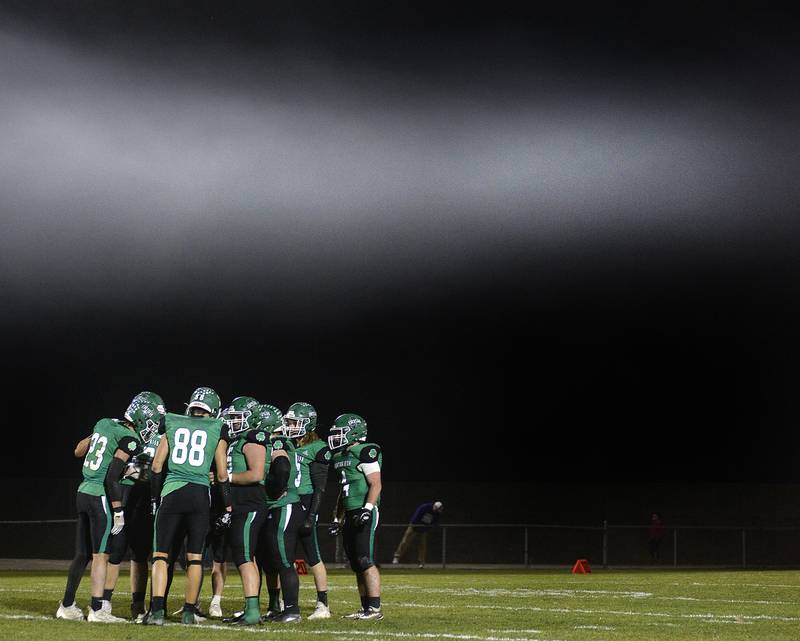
x=148 y=487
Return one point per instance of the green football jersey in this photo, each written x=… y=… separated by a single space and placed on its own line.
x=314 y=452
x=109 y=436
x=144 y=461
x=291 y=496
x=347 y=464
x=192 y=441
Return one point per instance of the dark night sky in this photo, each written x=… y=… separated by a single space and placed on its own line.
x=487 y=230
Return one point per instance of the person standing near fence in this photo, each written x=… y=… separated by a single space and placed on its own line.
x=655 y=534
x=425 y=518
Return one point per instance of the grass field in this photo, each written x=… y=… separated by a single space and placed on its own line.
x=466 y=605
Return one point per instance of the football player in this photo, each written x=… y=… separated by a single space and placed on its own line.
x=138 y=531
x=270 y=420
x=284 y=519
x=99 y=507
x=358 y=463
x=189 y=444
x=312 y=458
x=246 y=455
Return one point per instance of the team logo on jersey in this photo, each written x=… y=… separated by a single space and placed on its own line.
x=328 y=455
x=277 y=445
x=131 y=446
x=373 y=453
x=260 y=437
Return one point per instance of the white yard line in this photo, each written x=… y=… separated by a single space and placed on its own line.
x=721 y=618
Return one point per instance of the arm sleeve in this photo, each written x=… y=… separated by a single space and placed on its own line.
x=223 y=490
x=319 y=479
x=278 y=477
x=111 y=482
x=156 y=483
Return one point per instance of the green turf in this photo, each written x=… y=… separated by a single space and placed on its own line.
x=468 y=605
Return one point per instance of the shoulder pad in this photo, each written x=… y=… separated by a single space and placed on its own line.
x=279 y=443
x=324 y=455
x=369 y=453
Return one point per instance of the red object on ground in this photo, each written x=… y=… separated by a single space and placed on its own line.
x=300 y=566
x=581 y=567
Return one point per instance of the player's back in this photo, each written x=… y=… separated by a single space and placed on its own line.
x=192 y=441
x=106 y=438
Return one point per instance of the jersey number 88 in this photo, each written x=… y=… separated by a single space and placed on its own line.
x=189 y=445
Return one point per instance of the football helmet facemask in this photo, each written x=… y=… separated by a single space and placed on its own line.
x=347 y=429
x=299 y=420
x=241 y=415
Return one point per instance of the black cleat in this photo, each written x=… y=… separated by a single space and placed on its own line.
x=287 y=617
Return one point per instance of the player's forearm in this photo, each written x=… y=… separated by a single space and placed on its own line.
x=82 y=447
x=338 y=512
x=111 y=482
x=277 y=482
x=247 y=478
x=374 y=492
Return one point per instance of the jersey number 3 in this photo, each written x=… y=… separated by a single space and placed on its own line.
x=189 y=445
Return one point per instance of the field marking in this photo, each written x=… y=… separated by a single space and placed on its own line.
x=716 y=618
x=368 y=633
x=595 y=627
x=337 y=633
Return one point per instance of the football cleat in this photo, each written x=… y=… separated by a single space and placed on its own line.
x=153 y=617
x=320 y=612
x=215 y=611
x=105 y=606
x=69 y=612
x=271 y=615
x=101 y=616
x=236 y=616
x=370 y=614
x=190 y=617
x=355 y=615
x=287 y=617
x=137 y=611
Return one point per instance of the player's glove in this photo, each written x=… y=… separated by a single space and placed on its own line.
x=363 y=516
x=222 y=523
x=334 y=528
x=119 y=521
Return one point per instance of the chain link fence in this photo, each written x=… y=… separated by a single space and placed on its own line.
x=521 y=545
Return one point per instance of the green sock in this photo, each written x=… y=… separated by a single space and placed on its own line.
x=252 y=611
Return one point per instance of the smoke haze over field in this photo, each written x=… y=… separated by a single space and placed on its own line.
x=581 y=231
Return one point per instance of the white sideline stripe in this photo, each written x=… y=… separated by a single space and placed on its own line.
x=338 y=633
x=361 y=633
x=526 y=630
x=716 y=618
